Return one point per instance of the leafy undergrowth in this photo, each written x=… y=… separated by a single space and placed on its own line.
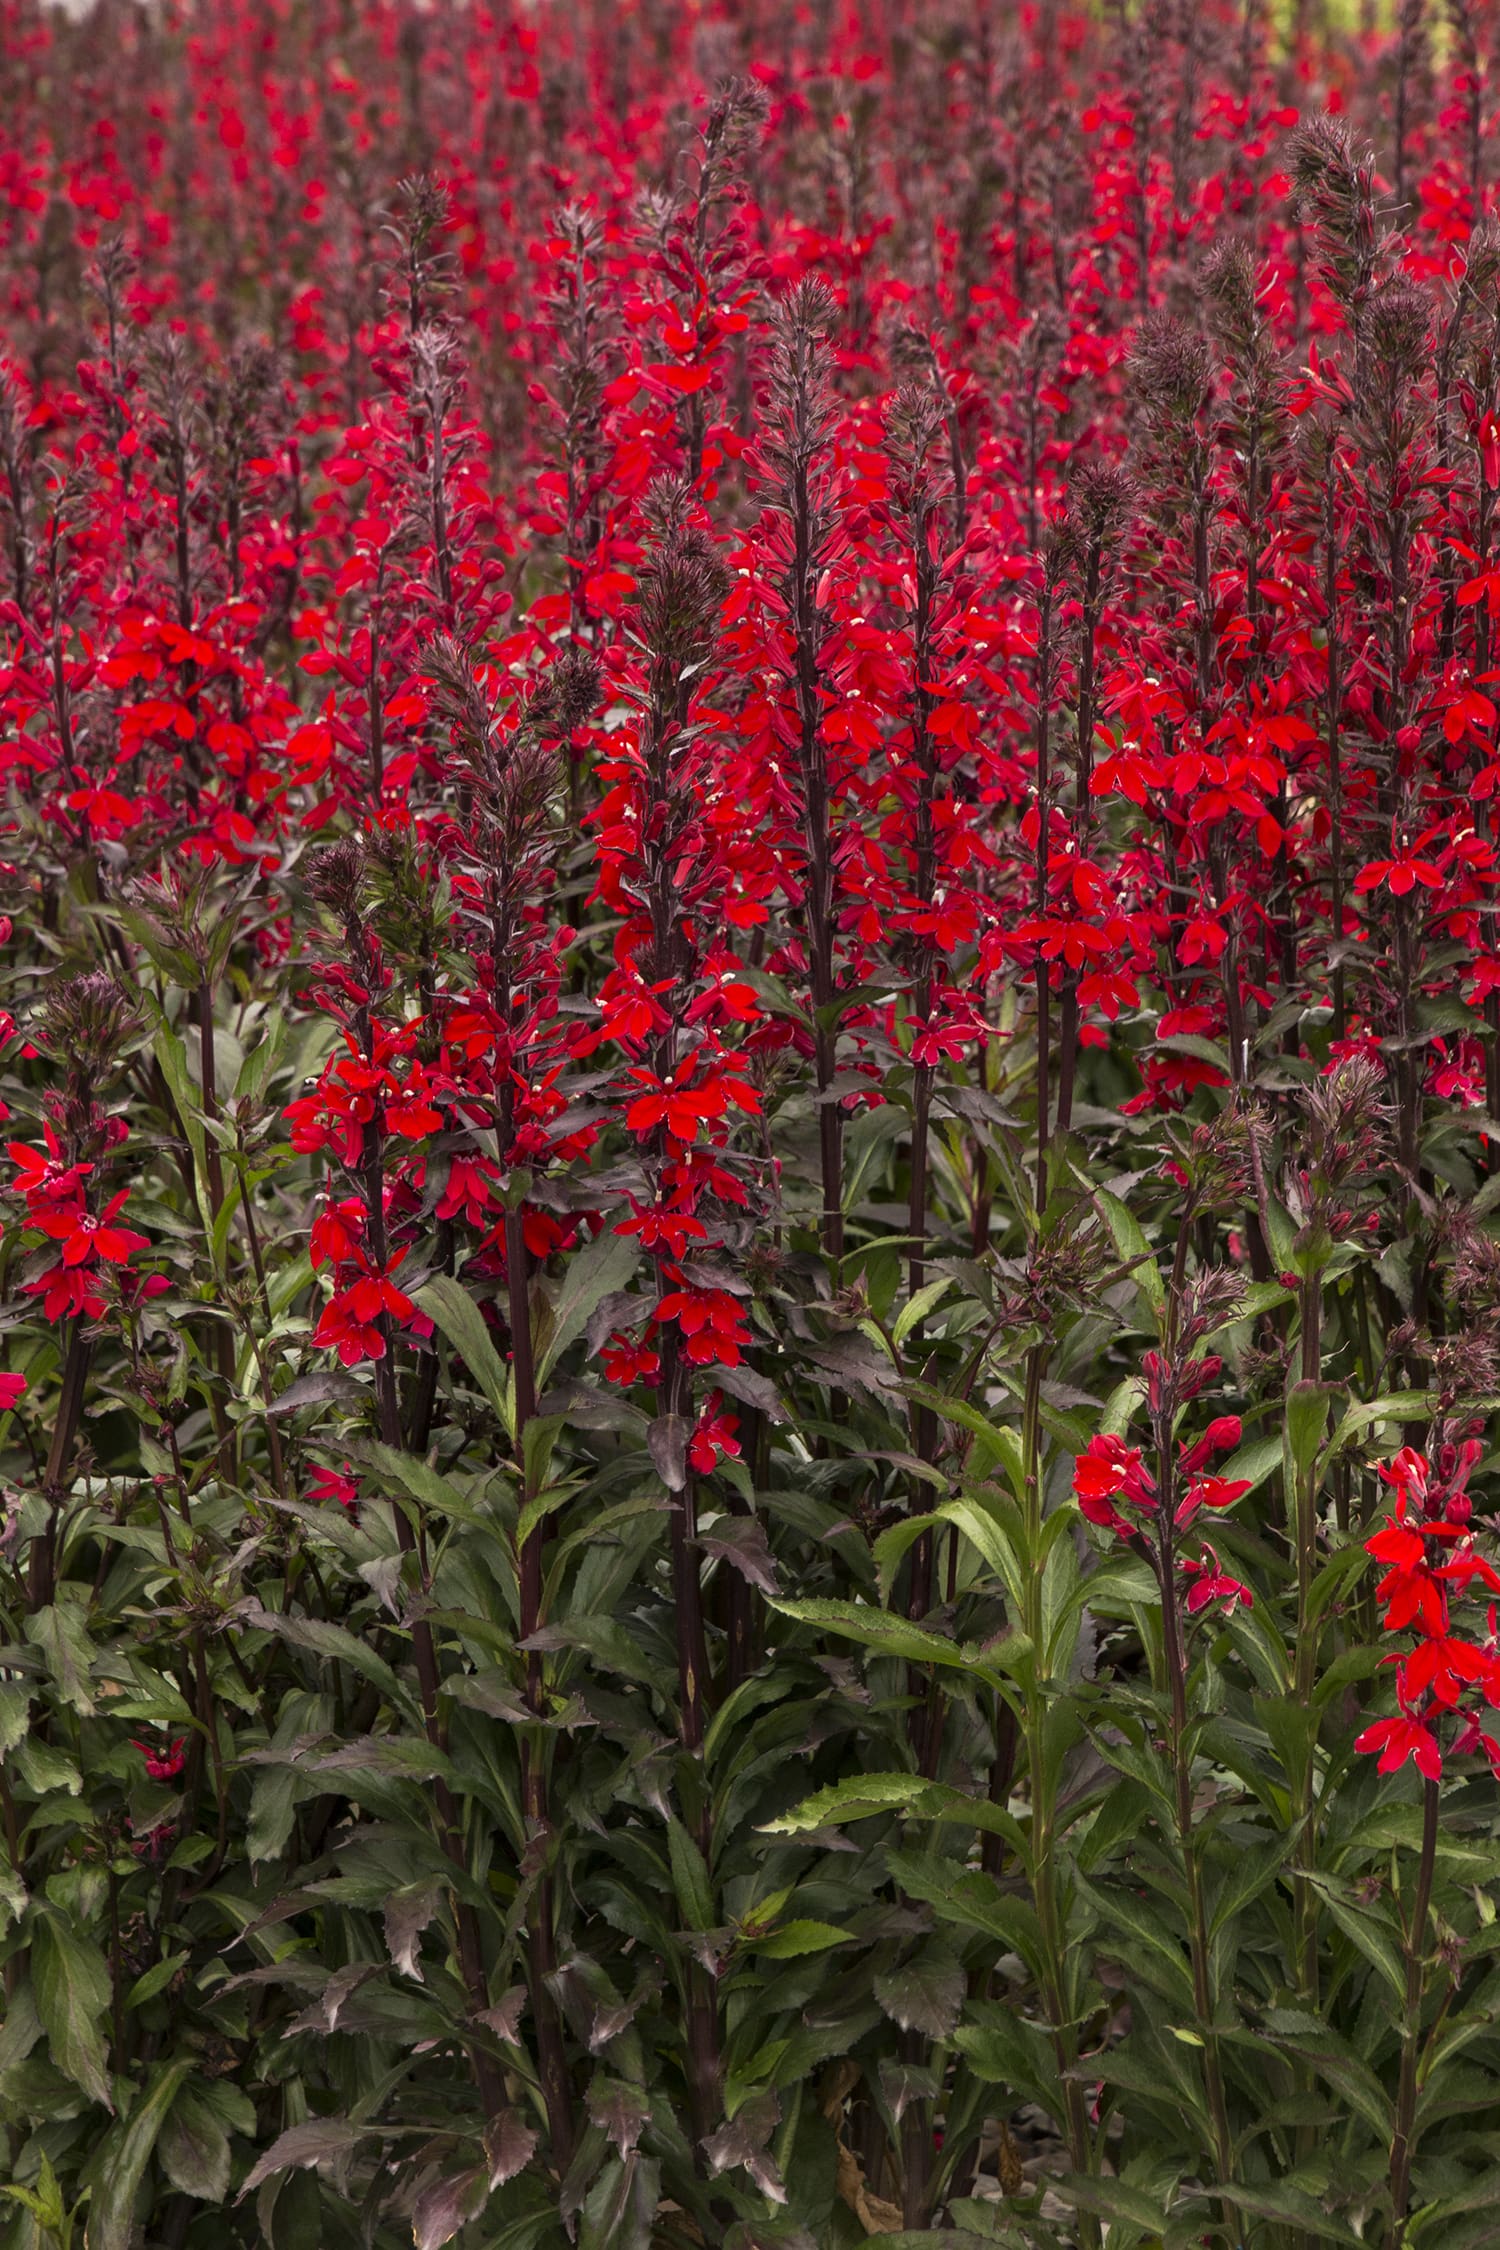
x=749 y=1281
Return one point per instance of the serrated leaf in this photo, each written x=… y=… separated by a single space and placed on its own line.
x=319 y=1637
x=1131 y=1245
x=971 y=1900
x=620 y=2208
x=1289 y=2204
x=880 y=1632
x=317 y=2141
x=15 y=1715
x=60 y=1632
x=741 y=1542
x=71 y=1987
x=1114 y=2199
x=325 y=1386
x=597 y=1271
x=448 y=2204
x=424 y=1483
x=621 y=2112
x=448 y=1304
x=797 y=1937
x=509 y=2145
x=925 y=1994
x=916 y=1308
x=740 y=2143
x=194 y=2148
x=667 y=1441
x=408 y=1912
x=1146 y=1936
x=690 y=1879
x=123 y=2160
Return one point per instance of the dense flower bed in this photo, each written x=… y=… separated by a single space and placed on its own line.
x=749 y=1284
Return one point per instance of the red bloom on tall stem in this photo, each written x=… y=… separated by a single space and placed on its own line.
x=1428 y=1546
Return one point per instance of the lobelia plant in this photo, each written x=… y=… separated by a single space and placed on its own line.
x=751 y=1048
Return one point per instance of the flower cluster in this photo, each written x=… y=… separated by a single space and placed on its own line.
x=1115 y=1490
x=1448 y=1679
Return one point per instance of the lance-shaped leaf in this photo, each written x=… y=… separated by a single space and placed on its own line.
x=71 y=1988
x=447 y=1303
x=599 y=1270
x=123 y=2160
x=924 y=1994
x=448 y=2204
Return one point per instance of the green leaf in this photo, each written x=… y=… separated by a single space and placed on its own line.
x=916 y=1308
x=537 y=1441
x=338 y=1645
x=1395 y=1406
x=999 y=1438
x=1260 y=1297
x=1134 y=1934
x=61 y=1633
x=972 y=1901
x=71 y=1987
x=926 y=1993
x=44 y=2201
x=592 y=1274
x=690 y=1878
x=882 y=1634
x=256 y=1069
x=123 y=2159
x=619 y=2211
x=317 y=2140
x=44 y=1768
x=155 y=1979
x=1293 y=2205
x=1249 y=1873
x=1117 y=2200
x=447 y=1303
x=15 y=1715
x=424 y=1483
x=1131 y=1244
x=1351 y=2078
x=1306 y=1423
x=187 y=1100
x=1254 y=1462
x=1283 y=1235
x=1372 y=1934
x=797 y=1937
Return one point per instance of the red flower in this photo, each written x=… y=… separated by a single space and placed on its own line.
x=682 y=1108
x=713 y=1439
x=713 y=1328
x=84 y=1236
x=334 y=1484
x=1207 y=1582
x=664 y=1229
x=67 y=1293
x=1209 y=1492
x=163 y=1765
x=1112 y=1470
x=1401 y=1738
x=1442 y=1665
x=1401 y=875
x=1427 y=1545
x=626 y=1362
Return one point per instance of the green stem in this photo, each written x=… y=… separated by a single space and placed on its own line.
x=1053 y=1977
x=1411 y=2028
x=1175 y=1652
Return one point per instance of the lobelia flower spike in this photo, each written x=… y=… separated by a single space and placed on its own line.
x=1448 y=1678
